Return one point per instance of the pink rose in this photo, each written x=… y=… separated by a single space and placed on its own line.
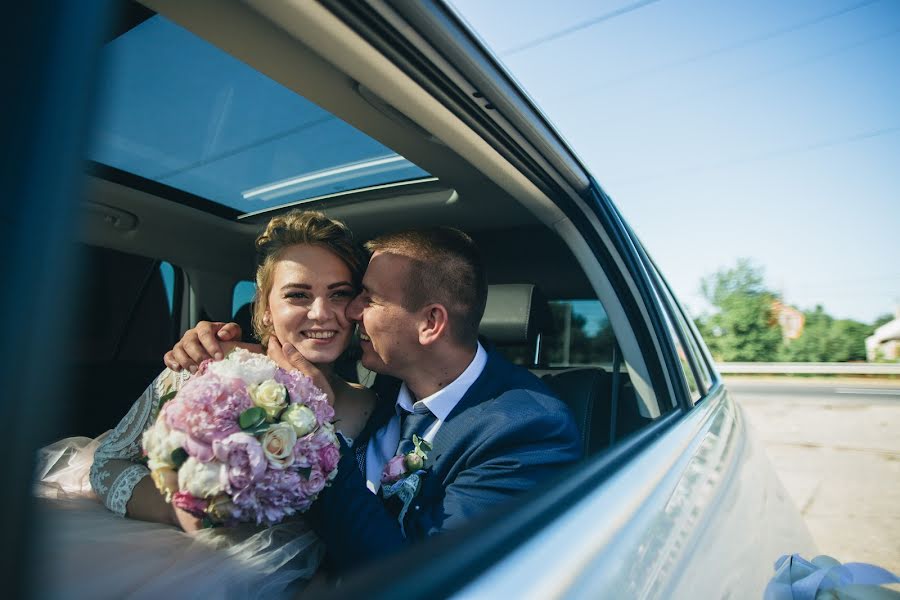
x=189 y=503
x=206 y=409
x=394 y=470
x=328 y=458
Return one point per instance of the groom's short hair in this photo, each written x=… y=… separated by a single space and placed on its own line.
x=446 y=268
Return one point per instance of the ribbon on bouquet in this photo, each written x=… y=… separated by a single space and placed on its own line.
x=825 y=578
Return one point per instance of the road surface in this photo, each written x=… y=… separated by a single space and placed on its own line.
x=836 y=446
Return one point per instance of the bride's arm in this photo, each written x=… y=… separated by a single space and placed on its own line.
x=118 y=475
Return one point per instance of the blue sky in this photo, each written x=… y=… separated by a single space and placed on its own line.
x=727 y=129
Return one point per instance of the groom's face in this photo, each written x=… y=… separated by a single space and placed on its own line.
x=388 y=331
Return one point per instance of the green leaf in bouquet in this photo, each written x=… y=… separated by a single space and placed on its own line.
x=179 y=455
x=167 y=396
x=252 y=418
x=261 y=428
x=305 y=471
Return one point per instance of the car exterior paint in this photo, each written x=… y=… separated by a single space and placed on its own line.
x=673 y=523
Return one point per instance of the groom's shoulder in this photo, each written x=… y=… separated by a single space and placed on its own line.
x=517 y=388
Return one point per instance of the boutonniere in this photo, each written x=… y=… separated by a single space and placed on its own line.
x=402 y=477
x=404 y=465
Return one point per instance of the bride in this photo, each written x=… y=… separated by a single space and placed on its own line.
x=309 y=270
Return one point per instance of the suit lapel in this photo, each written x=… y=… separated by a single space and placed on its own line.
x=458 y=422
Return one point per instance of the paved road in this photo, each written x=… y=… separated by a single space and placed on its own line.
x=836 y=447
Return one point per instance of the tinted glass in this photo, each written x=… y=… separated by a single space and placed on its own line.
x=167 y=272
x=243 y=294
x=580 y=335
x=179 y=111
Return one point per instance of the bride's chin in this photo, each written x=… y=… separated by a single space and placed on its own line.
x=321 y=356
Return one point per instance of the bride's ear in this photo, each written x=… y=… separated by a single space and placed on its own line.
x=267 y=318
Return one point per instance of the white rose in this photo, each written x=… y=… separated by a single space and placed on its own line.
x=248 y=366
x=200 y=479
x=327 y=429
x=160 y=441
x=166 y=481
x=270 y=396
x=301 y=418
x=278 y=445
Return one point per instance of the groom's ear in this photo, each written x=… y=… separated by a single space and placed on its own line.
x=435 y=322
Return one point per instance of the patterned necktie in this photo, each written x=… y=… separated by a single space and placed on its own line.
x=360 y=451
x=414 y=423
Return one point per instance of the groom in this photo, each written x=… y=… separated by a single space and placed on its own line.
x=494 y=429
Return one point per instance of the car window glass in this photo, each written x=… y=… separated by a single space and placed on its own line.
x=243 y=294
x=578 y=350
x=182 y=112
x=167 y=272
x=581 y=334
x=683 y=359
x=692 y=360
x=697 y=355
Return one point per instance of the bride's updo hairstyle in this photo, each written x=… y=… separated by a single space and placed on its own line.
x=292 y=228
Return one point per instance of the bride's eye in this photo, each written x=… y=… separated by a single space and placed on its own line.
x=343 y=294
x=296 y=295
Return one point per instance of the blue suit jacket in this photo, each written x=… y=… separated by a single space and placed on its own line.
x=507 y=434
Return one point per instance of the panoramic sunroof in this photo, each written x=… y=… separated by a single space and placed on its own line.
x=179 y=111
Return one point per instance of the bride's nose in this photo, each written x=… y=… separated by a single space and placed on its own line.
x=319 y=310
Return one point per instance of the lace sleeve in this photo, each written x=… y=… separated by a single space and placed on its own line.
x=117 y=466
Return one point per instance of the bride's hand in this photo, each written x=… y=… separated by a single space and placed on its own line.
x=200 y=343
x=289 y=358
x=188 y=522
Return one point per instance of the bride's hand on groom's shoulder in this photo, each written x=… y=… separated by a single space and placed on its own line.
x=204 y=341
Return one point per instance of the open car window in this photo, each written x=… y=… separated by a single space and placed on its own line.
x=191 y=117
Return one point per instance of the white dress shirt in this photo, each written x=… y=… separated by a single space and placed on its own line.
x=383 y=444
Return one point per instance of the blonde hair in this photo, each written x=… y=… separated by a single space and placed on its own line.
x=289 y=229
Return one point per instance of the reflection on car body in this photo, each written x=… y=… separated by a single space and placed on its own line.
x=391 y=115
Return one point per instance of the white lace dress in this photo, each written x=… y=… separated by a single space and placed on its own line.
x=95 y=553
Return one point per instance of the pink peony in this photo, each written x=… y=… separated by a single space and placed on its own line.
x=244 y=459
x=394 y=470
x=206 y=409
x=276 y=495
x=189 y=503
x=302 y=390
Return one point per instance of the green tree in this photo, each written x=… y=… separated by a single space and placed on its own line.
x=826 y=339
x=743 y=326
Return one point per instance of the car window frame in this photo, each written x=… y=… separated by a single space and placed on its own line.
x=681 y=326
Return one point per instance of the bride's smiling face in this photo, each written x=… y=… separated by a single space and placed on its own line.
x=311 y=288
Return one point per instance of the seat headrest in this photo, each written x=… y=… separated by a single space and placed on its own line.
x=515 y=314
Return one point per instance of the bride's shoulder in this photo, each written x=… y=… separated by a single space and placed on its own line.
x=358 y=393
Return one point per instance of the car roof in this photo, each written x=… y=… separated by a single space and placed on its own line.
x=492 y=190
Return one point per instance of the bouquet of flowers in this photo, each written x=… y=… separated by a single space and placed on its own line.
x=243 y=440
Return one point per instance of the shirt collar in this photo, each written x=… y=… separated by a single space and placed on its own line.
x=442 y=402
